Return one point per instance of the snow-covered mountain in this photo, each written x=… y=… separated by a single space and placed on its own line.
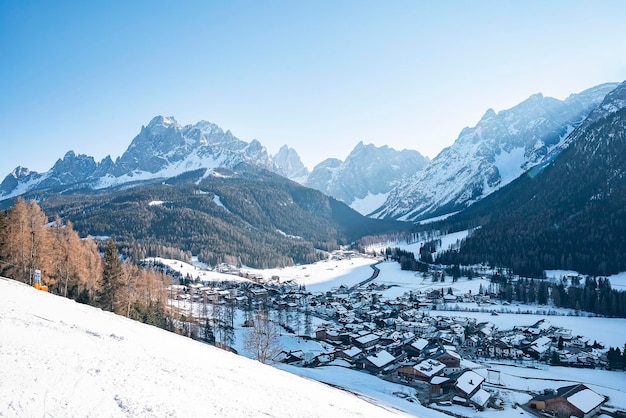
x=61 y=358
x=367 y=175
x=162 y=149
x=290 y=165
x=570 y=211
x=490 y=155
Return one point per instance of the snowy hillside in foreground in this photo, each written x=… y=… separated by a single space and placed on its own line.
x=60 y=358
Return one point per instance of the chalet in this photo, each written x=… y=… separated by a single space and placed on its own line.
x=480 y=399
x=468 y=384
x=440 y=385
x=539 y=347
x=450 y=299
x=331 y=335
x=415 y=348
x=295 y=358
x=424 y=370
x=451 y=359
x=500 y=348
x=377 y=362
x=569 y=401
x=351 y=354
x=366 y=341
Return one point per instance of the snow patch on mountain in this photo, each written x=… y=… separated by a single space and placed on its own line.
x=369 y=203
x=508 y=164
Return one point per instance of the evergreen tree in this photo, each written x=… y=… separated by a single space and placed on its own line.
x=109 y=297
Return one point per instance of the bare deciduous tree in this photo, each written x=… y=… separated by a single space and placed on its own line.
x=262 y=339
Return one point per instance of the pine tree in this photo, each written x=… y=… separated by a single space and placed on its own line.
x=109 y=297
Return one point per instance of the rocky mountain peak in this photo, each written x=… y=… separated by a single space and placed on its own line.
x=490 y=155
x=290 y=165
x=368 y=173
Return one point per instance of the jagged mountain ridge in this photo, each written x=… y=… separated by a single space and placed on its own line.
x=162 y=149
x=490 y=155
x=368 y=170
x=567 y=214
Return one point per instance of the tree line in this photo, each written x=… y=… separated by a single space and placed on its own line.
x=595 y=295
x=74 y=268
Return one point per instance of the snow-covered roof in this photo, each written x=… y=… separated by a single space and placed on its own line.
x=469 y=381
x=586 y=400
x=429 y=367
x=481 y=397
x=352 y=351
x=419 y=344
x=437 y=380
x=367 y=338
x=381 y=359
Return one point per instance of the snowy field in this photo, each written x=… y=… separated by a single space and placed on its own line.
x=60 y=358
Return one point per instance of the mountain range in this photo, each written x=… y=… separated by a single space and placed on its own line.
x=254 y=192
x=367 y=175
x=490 y=155
x=164 y=149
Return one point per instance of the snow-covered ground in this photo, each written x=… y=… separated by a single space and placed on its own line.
x=60 y=358
x=513 y=381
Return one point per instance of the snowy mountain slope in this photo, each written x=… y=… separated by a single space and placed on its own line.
x=368 y=171
x=60 y=358
x=568 y=214
x=490 y=155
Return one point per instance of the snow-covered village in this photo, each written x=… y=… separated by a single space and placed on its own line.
x=307 y=209
x=454 y=346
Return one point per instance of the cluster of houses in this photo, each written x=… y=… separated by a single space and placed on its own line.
x=401 y=341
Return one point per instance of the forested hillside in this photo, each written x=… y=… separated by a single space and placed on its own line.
x=250 y=217
x=569 y=215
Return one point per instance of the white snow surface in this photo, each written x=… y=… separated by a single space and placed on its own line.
x=509 y=164
x=60 y=358
x=369 y=203
x=381 y=358
x=585 y=400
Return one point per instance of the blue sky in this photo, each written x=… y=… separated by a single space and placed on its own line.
x=319 y=75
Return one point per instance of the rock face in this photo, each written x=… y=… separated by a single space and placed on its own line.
x=490 y=155
x=163 y=148
x=290 y=165
x=368 y=171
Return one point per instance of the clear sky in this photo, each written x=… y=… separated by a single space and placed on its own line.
x=317 y=75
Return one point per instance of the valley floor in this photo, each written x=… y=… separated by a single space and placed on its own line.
x=515 y=383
